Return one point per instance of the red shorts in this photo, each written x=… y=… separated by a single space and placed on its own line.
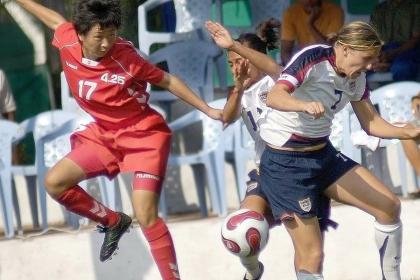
x=143 y=146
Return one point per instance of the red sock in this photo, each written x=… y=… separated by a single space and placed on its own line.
x=78 y=201
x=162 y=249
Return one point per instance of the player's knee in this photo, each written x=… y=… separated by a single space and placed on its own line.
x=54 y=184
x=391 y=212
x=395 y=208
x=146 y=215
x=311 y=259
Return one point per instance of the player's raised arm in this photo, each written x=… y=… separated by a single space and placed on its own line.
x=178 y=88
x=50 y=18
x=224 y=40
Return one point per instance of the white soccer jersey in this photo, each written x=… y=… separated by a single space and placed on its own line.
x=310 y=76
x=253 y=105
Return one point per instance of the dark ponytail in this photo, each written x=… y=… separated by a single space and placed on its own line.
x=269 y=32
x=252 y=41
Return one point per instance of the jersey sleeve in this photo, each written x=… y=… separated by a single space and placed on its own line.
x=144 y=70
x=296 y=71
x=64 y=34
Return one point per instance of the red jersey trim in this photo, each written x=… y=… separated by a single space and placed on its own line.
x=289 y=85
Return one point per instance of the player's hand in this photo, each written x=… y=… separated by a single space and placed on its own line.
x=215 y=114
x=219 y=34
x=241 y=75
x=315 y=109
x=412 y=131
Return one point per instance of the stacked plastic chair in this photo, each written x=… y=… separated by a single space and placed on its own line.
x=8 y=133
x=394 y=103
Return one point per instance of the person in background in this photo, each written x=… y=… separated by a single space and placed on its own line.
x=7 y=102
x=308 y=22
x=398 y=24
x=411 y=146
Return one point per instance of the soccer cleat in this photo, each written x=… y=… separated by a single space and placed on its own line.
x=249 y=277
x=112 y=236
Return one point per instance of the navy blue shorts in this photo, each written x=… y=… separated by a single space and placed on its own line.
x=294 y=182
x=324 y=211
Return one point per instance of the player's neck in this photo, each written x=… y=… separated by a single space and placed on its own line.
x=88 y=55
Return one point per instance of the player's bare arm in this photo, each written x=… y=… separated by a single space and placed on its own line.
x=280 y=99
x=50 y=18
x=224 y=40
x=375 y=125
x=181 y=90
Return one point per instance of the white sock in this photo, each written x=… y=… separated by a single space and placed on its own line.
x=309 y=276
x=252 y=266
x=389 y=241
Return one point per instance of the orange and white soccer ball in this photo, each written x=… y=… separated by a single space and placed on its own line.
x=245 y=232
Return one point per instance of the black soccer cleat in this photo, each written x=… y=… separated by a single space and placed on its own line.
x=259 y=276
x=112 y=236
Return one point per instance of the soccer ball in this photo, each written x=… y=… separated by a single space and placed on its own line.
x=245 y=232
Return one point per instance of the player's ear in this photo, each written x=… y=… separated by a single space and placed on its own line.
x=81 y=37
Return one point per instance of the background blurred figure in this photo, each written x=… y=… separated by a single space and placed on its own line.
x=411 y=146
x=398 y=24
x=7 y=102
x=308 y=22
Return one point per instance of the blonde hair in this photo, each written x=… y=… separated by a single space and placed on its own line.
x=358 y=35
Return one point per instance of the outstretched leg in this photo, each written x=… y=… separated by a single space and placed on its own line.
x=254 y=268
x=360 y=188
x=61 y=183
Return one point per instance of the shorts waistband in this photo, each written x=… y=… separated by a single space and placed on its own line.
x=299 y=153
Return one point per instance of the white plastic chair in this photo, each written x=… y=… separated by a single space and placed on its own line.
x=394 y=102
x=211 y=156
x=243 y=151
x=8 y=132
x=192 y=62
x=190 y=14
x=190 y=18
x=341 y=132
x=39 y=126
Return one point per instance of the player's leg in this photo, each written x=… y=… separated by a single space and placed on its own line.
x=308 y=244
x=146 y=191
x=412 y=153
x=87 y=160
x=360 y=188
x=293 y=182
x=254 y=268
x=255 y=200
x=61 y=184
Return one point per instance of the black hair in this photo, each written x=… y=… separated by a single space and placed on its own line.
x=269 y=32
x=265 y=39
x=87 y=13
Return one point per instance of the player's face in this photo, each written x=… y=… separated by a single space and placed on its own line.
x=354 y=62
x=98 y=41
x=236 y=62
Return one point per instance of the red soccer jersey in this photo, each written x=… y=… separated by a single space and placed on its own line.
x=112 y=90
